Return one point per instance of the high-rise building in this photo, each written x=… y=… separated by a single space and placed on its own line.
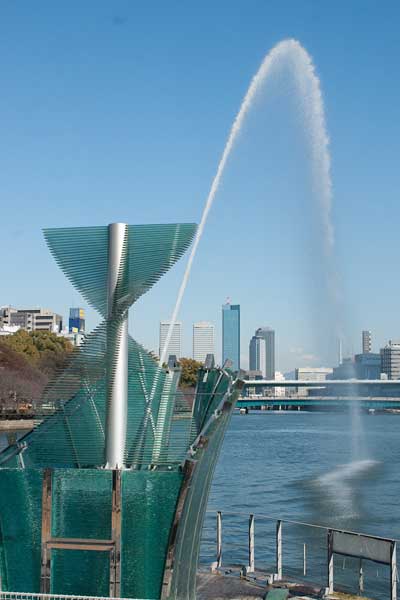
x=257 y=354
x=366 y=342
x=175 y=344
x=269 y=336
x=231 y=334
x=262 y=352
x=76 y=323
x=203 y=340
x=390 y=359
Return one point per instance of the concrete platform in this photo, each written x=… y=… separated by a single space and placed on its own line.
x=222 y=586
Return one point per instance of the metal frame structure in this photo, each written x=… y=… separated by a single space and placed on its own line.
x=117 y=349
x=49 y=542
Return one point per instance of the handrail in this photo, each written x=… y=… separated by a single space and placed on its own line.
x=342 y=542
x=302 y=523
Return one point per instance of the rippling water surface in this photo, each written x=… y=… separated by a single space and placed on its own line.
x=299 y=466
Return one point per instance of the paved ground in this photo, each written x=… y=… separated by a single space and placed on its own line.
x=220 y=586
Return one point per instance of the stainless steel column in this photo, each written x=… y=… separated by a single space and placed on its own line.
x=117 y=350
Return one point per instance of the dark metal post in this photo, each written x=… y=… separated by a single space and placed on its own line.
x=46 y=532
x=115 y=555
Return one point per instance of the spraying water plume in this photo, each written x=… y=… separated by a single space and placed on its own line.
x=292 y=54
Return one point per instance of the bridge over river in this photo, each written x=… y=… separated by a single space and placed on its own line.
x=375 y=394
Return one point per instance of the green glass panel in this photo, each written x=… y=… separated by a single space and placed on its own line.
x=20 y=529
x=82 y=254
x=148 y=508
x=205 y=458
x=80 y=573
x=82 y=503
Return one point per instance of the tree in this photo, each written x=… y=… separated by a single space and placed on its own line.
x=43 y=349
x=190 y=368
x=20 y=381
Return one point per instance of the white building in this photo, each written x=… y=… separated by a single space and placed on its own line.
x=280 y=392
x=9 y=329
x=390 y=359
x=76 y=338
x=175 y=344
x=31 y=319
x=203 y=340
x=311 y=374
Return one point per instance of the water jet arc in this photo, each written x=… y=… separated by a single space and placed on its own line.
x=291 y=53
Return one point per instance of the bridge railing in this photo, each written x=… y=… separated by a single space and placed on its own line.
x=284 y=550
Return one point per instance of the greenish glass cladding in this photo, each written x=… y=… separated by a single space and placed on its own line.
x=160 y=519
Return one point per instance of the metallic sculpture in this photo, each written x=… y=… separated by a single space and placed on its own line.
x=108 y=492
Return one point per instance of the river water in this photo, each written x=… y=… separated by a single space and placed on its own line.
x=299 y=466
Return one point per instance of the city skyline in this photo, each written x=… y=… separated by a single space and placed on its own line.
x=90 y=132
x=11 y=316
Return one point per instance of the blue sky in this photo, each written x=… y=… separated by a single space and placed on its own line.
x=119 y=111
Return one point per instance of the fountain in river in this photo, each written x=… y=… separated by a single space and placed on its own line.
x=291 y=54
x=288 y=53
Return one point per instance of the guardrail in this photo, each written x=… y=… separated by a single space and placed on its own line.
x=329 y=557
x=29 y=596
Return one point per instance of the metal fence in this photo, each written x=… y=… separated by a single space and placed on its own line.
x=280 y=549
x=29 y=596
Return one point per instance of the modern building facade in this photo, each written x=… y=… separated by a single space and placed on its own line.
x=231 y=334
x=76 y=322
x=390 y=359
x=311 y=374
x=203 y=340
x=280 y=392
x=366 y=342
x=262 y=352
x=367 y=365
x=175 y=344
x=31 y=319
x=5 y=315
x=257 y=355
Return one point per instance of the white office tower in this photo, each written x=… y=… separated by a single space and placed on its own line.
x=175 y=344
x=280 y=392
x=203 y=340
